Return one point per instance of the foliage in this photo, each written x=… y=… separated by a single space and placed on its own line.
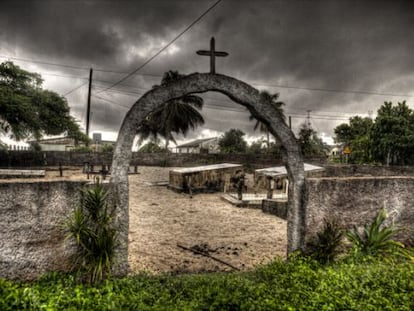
x=357 y=136
x=232 y=141
x=310 y=143
x=91 y=227
x=175 y=116
x=35 y=146
x=327 y=244
x=3 y=146
x=26 y=110
x=272 y=99
x=298 y=284
x=389 y=139
x=82 y=149
x=108 y=148
x=256 y=147
x=376 y=239
x=260 y=147
x=393 y=134
x=151 y=147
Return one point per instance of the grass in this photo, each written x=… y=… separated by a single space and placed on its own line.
x=298 y=284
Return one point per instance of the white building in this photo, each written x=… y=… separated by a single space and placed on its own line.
x=204 y=145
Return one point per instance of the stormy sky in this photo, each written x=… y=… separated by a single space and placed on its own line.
x=333 y=58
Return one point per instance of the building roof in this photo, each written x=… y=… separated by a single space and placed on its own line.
x=195 y=143
x=280 y=171
x=55 y=141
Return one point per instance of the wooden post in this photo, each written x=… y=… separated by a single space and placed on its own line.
x=269 y=187
x=60 y=170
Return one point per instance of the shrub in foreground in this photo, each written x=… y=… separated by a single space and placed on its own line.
x=298 y=284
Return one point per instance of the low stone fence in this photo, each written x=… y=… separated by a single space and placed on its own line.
x=32 y=234
x=356 y=201
x=23 y=159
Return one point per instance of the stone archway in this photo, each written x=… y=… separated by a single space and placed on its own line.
x=240 y=93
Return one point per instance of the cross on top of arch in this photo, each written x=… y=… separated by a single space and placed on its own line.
x=212 y=53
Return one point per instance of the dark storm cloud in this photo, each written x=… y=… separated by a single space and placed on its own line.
x=91 y=32
x=337 y=45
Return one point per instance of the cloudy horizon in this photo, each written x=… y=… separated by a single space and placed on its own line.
x=328 y=59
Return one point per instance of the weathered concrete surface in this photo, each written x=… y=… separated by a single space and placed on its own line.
x=240 y=93
x=356 y=200
x=32 y=235
x=13 y=173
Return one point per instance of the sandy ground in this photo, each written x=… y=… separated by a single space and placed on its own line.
x=161 y=219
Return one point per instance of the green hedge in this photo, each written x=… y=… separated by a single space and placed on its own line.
x=299 y=284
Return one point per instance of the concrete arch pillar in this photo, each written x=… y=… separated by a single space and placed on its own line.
x=240 y=93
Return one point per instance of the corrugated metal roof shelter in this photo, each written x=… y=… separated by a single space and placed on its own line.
x=276 y=178
x=280 y=171
x=204 y=178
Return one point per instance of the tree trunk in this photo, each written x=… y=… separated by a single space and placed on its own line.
x=268 y=140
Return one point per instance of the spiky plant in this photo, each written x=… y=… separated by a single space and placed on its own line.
x=326 y=246
x=376 y=238
x=91 y=226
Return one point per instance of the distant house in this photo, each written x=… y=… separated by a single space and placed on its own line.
x=67 y=144
x=205 y=145
x=55 y=144
x=335 y=151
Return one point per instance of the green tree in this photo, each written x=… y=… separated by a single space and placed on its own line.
x=310 y=143
x=27 y=110
x=151 y=147
x=393 y=134
x=263 y=128
x=256 y=147
x=388 y=140
x=357 y=136
x=232 y=141
x=176 y=116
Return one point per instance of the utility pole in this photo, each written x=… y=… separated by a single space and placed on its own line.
x=309 y=124
x=88 y=107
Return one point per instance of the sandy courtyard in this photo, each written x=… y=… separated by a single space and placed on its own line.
x=161 y=219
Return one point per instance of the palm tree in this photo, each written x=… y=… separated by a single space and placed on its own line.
x=272 y=99
x=176 y=116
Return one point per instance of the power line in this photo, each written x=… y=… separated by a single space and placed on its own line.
x=76 y=88
x=43 y=62
x=62 y=76
x=110 y=101
x=333 y=90
x=35 y=61
x=158 y=76
x=165 y=47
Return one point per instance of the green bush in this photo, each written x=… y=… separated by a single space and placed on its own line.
x=327 y=244
x=108 y=148
x=91 y=227
x=376 y=239
x=82 y=149
x=297 y=284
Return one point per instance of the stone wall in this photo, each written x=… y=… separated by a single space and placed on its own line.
x=24 y=159
x=32 y=236
x=356 y=200
x=354 y=170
